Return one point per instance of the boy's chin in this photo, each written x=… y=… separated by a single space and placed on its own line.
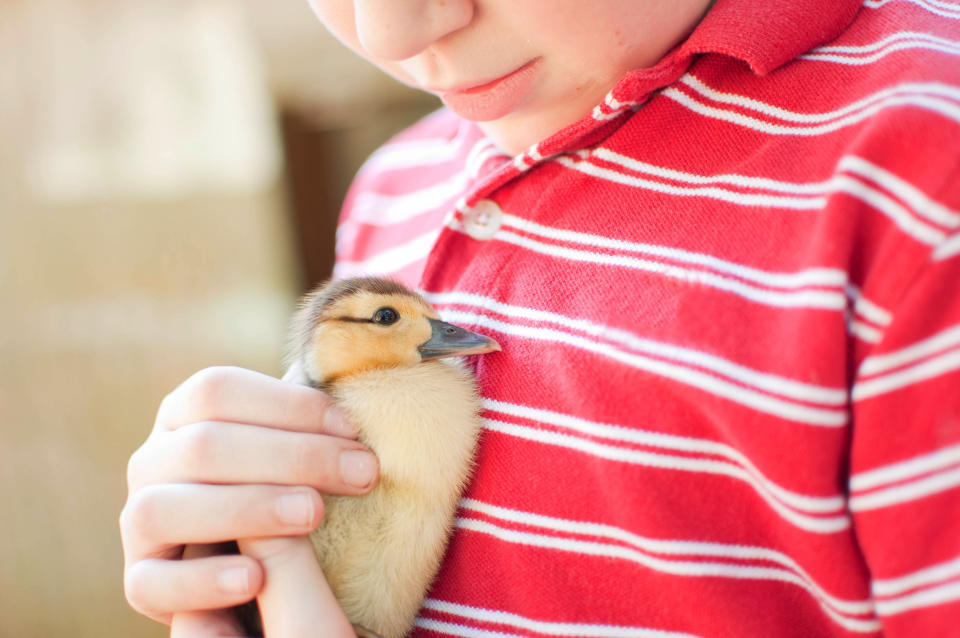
x=517 y=132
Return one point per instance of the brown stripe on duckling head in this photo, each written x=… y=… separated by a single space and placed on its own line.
x=337 y=290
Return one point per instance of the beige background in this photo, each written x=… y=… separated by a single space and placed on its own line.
x=145 y=233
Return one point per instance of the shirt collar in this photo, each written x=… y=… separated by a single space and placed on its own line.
x=768 y=34
x=765 y=34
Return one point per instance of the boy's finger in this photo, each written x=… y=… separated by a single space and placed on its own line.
x=165 y=516
x=205 y=624
x=296 y=599
x=161 y=588
x=244 y=396
x=224 y=453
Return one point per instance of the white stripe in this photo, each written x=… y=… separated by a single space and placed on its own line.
x=944 y=4
x=478 y=148
x=901 y=470
x=802 y=502
x=815 y=524
x=346 y=238
x=412 y=153
x=853 y=56
x=920 y=488
x=482 y=151
x=521 y=163
x=484 y=157
x=385 y=210
x=942 y=340
x=462 y=207
x=894 y=211
x=672 y=547
x=865 y=105
x=871 y=311
x=918 y=201
x=870 y=59
x=943 y=9
x=587 y=630
x=677 y=568
x=935 y=573
x=865 y=332
x=819 y=277
x=945 y=107
x=924 y=598
x=415 y=153
x=866 y=53
x=735 y=197
x=616 y=108
x=923 y=371
x=742 y=181
x=707 y=382
x=811 y=298
x=839 y=183
x=390 y=260
x=772 y=383
x=768 y=382
x=866 y=308
x=891 y=38
x=947 y=249
x=615 y=104
x=600 y=116
x=921 y=204
x=453 y=629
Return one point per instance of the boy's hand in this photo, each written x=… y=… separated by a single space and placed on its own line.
x=295 y=601
x=233 y=454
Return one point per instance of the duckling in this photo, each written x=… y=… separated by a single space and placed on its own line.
x=381 y=351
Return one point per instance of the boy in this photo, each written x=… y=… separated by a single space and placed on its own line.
x=720 y=246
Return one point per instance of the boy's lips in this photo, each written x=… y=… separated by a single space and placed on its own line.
x=492 y=100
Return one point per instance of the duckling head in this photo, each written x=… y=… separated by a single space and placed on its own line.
x=354 y=325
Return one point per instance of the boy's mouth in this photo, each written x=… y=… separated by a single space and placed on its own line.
x=495 y=99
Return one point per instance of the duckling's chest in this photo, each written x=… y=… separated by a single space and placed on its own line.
x=421 y=421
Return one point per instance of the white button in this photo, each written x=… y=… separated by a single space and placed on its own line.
x=483 y=220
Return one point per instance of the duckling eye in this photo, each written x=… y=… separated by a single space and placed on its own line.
x=386 y=316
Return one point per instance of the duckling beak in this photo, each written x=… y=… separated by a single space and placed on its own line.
x=448 y=340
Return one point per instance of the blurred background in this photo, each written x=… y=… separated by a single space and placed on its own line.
x=170 y=175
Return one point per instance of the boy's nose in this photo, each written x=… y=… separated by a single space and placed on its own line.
x=400 y=29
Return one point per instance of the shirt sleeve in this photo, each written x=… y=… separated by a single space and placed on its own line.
x=905 y=455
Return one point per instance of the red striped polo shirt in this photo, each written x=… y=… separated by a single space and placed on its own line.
x=728 y=401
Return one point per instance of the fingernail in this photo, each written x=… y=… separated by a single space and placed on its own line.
x=295 y=509
x=235 y=580
x=335 y=422
x=358 y=468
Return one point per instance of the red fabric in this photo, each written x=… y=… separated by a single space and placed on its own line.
x=728 y=401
